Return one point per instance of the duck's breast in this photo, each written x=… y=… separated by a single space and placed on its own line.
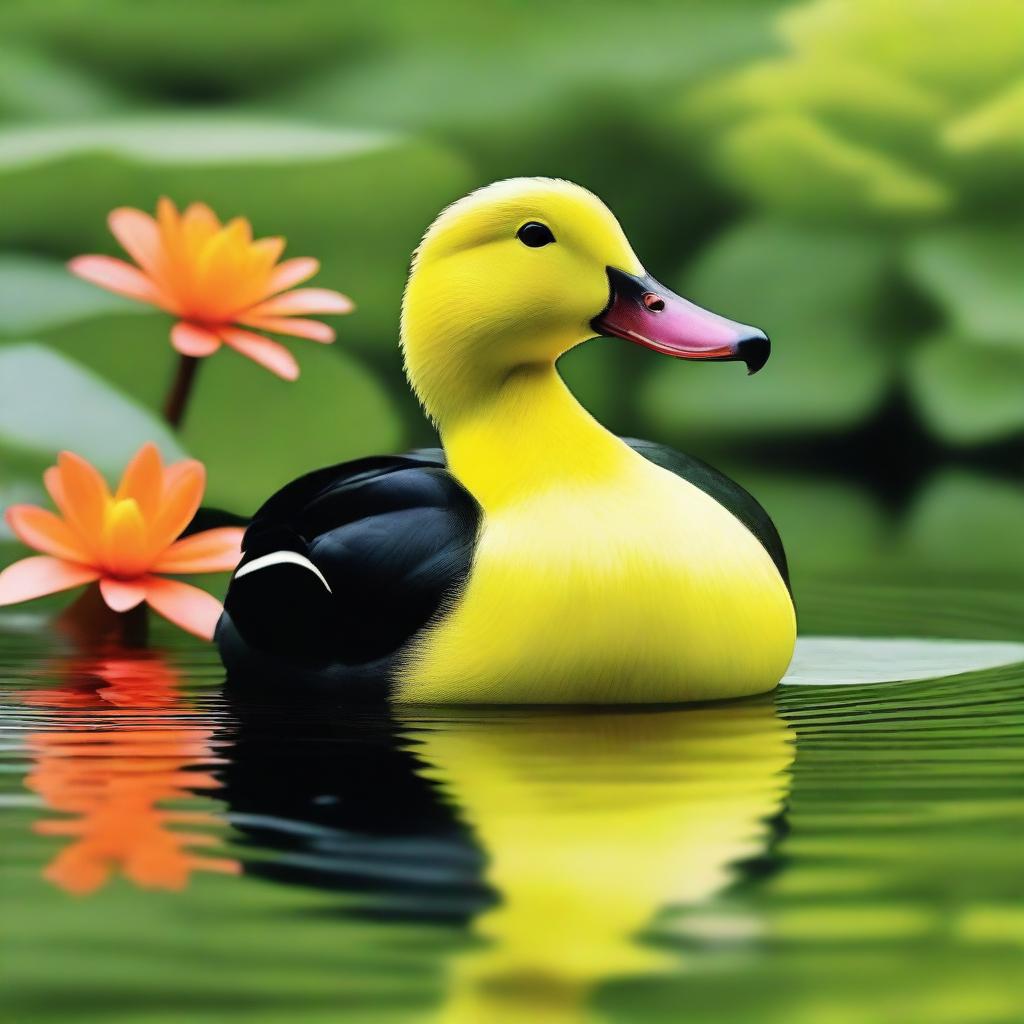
x=640 y=588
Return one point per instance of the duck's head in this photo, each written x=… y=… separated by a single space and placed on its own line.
x=515 y=274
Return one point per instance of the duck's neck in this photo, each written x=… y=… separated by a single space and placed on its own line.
x=527 y=435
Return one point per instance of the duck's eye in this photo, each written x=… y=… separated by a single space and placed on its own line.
x=535 y=235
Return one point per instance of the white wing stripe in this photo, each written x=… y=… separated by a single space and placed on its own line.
x=282 y=558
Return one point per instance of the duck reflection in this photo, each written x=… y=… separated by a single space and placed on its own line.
x=556 y=836
x=121 y=745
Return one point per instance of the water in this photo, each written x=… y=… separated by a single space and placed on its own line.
x=825 y=854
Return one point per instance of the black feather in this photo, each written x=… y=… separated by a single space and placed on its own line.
x=394 y=538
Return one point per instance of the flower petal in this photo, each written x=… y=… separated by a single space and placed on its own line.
x=83 y=495
x=217 y=550
x=41 y=529
x=270 y=354
x=138 y=234
x=304 y=300
x=40 y=575
x=184 y=483
x=292 y=272
x=295 y=326
x=186 y=606
x=122 y=595
x=117 y=276
x=126 y=548
x=143 y=480
x=191 y=340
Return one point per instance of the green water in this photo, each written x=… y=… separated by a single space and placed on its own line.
x=826 y=854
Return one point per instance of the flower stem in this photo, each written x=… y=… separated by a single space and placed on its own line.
x=181 y=388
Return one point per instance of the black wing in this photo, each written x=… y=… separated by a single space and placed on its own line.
x=380 y=545
x=726 y=492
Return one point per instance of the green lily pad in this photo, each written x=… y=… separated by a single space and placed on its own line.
x=255 y=432
x=227 y=49
x=358 y=201
x=975 y=275
x=37 y=294
x=48 y=403
x=855 y=661
x=814 y=293
x=969 y=392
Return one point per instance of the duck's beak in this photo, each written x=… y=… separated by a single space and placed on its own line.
x=642 y=310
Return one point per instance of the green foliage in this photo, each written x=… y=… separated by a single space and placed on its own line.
x=830 y=363
x=879 y=110
x=963 y=522
x=48 y=403
x=256 y=432
x=899 y=118
x=968 y=391
x=975 y=276
x=38 y=294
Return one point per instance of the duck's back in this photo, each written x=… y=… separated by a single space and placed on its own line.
x=346 y=568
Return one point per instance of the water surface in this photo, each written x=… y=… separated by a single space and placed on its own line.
x=171 y=850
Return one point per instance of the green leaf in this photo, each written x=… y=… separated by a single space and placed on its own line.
x=994 y=127
x=37 y=294
x=49 y=402
x=966 y=522
x=358 y=201
x=854 y=661
x=968 y=392
x=977 y=276
x=34 y=84
x=814 y=293
x=256 y=432
x=795 y=164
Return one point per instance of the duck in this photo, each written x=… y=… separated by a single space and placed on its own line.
x=535 y=557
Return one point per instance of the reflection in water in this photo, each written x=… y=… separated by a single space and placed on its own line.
x=592 y=824
x=559 y=836
x=124 y=750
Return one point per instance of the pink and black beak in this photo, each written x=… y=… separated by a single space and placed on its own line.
x=642 y=310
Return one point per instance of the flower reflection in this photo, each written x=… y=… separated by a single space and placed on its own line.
x=113 y=761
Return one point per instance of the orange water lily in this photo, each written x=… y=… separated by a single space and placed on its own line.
x=217 y=280
x=123 y=539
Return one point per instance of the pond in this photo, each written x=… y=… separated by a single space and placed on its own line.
x=846 y=853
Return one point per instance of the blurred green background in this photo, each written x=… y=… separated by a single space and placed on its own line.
x=844 y=174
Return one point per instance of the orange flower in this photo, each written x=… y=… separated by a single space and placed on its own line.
x=215 y=277
x=122 y=539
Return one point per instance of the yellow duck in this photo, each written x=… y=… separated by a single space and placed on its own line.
x=538 y=558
